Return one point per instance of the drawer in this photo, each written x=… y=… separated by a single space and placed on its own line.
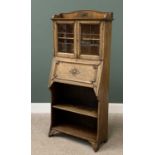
x=77 y=72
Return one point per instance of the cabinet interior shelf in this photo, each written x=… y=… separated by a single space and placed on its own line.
x=77 y=131
x=90 y=38
x=65 y=37
x=65 y=43
x=79 y=109
x=95 y=34
x=89 y=45
x=65 y=33
x=81 y=38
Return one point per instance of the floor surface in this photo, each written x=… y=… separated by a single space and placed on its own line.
x=67 y=145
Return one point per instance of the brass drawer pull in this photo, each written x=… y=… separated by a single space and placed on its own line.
x=74 y=71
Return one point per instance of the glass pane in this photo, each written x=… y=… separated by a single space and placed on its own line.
x=66 y=38
x=90 y=39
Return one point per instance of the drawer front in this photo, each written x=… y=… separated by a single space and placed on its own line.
x=76 y=72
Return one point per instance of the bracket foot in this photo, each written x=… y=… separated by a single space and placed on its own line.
x=52 y=133
x=95 y=146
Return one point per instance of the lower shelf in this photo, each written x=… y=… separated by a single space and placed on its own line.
x=77 y=131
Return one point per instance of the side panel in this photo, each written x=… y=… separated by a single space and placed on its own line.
x=104 y=88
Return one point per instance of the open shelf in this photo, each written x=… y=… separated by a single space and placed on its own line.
x=79 y=109
x=75 y=99
x=77 y=131
x=74 y=124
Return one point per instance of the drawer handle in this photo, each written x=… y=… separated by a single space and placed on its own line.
x=74 y=71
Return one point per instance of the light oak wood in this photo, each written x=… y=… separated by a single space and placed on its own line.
x=79 y=76
x=77 y=131
x=83 y=110
x=86 y=56
x=86 y=72
x=104 y=88
x=80 y=61
x=76 y=72
x=80 y=83
x=84 y=15
x=57 y=52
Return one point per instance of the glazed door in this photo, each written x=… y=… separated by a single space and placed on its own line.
x=64 y=36
x=89 y=39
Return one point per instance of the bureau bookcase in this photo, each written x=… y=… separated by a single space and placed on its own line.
x=79 y=76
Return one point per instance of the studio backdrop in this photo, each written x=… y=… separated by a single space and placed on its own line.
x=42 y=43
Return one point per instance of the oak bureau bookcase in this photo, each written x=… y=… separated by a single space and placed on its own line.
x=79 y=76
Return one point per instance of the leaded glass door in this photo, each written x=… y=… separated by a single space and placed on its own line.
x=65 y=39
x=89 y=39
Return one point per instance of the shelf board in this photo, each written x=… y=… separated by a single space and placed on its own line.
x=65 y=38
x=90 y=34
x=83 y=110
x=65 y=43
x=65 y=33
x=76 y=131
x=89 y=38
x=90 y=45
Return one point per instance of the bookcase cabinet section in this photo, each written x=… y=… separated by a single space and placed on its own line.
x=79 y=76
x=79 y=39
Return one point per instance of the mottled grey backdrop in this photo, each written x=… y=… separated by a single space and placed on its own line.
x=42 y=45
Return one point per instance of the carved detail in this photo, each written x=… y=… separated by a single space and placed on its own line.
x=95 y=66
x=87 y=14
x=92 y=81
x=57 y=62
x=74 y=71
x=83 y=15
